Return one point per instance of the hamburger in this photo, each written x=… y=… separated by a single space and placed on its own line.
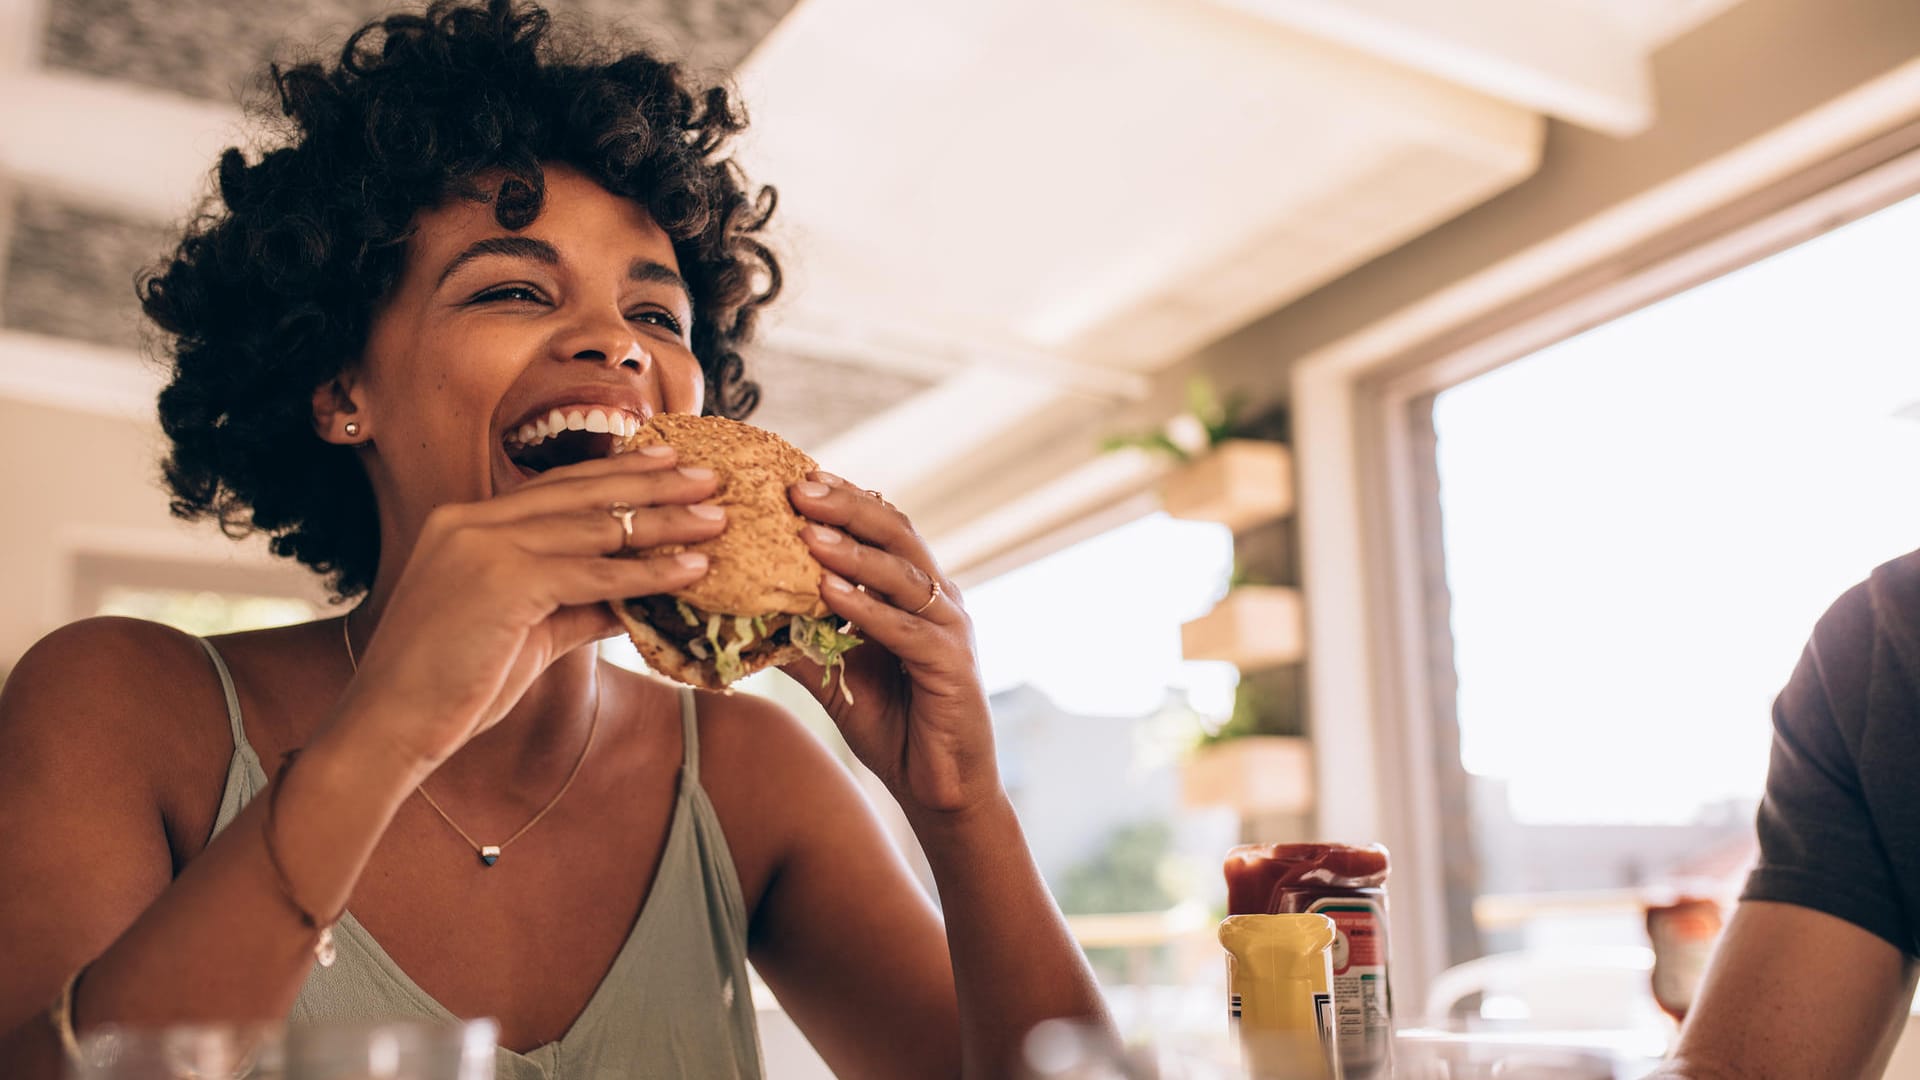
x=758 y=606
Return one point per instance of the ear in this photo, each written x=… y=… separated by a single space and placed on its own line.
x=336 y=403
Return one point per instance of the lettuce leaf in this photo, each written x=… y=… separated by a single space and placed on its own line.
x=826 y=644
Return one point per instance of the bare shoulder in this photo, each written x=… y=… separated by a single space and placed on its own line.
x=90 y=678
x=773 y=782
x=757 y=744
x=109 y=700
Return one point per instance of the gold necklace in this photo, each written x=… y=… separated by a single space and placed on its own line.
x=490 y=853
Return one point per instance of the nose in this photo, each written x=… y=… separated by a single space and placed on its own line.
x=608 y=341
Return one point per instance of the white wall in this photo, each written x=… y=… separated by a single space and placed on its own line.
x=76 y=482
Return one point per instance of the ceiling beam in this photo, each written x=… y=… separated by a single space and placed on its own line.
x=936 y=355
x=67 y=374
x=140 y=151
x=1567 y=61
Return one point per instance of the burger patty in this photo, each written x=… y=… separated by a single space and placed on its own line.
x=663 y=614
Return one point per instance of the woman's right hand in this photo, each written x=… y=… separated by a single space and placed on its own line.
x=495 y=591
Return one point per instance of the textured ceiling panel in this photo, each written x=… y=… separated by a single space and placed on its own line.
x=216 y=48
x=70 y=270
x=811 y=402
x=70 y=273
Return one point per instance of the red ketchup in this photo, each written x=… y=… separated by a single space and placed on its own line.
x=1346 y=884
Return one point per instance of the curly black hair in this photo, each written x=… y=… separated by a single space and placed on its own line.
x=272 y=288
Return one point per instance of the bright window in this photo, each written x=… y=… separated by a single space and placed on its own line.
x=204 y=612
x=1094 y=711
x=1641 y=526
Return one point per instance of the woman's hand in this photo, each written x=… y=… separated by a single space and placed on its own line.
x=919 y=716
x=495 y=591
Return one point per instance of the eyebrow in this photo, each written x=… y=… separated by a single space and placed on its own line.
x=646 y=270
x=526 y=247
x=518 y=247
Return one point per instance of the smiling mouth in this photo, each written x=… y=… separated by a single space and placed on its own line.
x=567 y=436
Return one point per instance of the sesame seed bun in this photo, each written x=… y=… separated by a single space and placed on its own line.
x=758 y=567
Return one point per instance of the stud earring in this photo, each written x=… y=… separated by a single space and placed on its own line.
x=353 y=429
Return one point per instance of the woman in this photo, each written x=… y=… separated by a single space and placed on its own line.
x=469 y=223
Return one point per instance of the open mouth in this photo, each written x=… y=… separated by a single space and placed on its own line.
x=567 y=436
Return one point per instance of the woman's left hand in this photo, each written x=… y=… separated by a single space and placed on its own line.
x=919 y=716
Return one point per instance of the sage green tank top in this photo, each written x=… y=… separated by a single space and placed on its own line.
x=674 y=1004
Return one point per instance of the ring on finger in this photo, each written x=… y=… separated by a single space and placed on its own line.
x=623 y=513
x=931 y=597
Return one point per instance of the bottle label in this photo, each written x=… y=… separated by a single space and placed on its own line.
x=1362 y=1011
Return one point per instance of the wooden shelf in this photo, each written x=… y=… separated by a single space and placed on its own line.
x=1256 y=626
x=1253 y=774
x=1240 y=483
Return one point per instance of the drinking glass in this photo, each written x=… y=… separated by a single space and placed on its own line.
x=392 y=1050
x=183 y=1052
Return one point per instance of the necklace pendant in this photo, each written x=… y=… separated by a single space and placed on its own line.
x=490 y=854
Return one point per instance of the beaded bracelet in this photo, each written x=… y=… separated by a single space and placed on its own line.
x=323 y=950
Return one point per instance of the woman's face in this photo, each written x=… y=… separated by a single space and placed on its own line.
x=495 y=340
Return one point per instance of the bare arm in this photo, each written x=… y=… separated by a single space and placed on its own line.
x=845 y=934
x=1015 y=963
x=1792 y=993
x=87 y=844
x=493 y=594
x=918 y=718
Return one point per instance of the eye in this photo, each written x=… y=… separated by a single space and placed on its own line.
x=512 y=293
x=658 y=318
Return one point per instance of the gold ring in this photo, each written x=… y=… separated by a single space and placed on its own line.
x=623 y=513
x=935 y=595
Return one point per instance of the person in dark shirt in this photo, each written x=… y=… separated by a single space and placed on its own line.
x=1815 y=973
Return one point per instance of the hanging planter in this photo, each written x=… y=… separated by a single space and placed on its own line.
x=1233 y=468
x=1255 y=626
x=1240 y=483
x=1252 y=774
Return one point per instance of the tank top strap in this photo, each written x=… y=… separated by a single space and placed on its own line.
x=233 y=696
x=690 y=734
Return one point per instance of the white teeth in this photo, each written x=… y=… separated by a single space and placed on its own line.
x=597 y=419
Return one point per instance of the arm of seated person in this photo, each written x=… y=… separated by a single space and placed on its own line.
x=1795 y=993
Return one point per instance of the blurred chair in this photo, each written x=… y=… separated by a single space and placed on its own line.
x=1557 y=988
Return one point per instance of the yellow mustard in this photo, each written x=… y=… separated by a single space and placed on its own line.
x=1280 y=982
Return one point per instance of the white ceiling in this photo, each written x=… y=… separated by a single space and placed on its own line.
x=1032 y=202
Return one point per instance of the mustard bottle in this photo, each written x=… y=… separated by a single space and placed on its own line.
x=1280 y=982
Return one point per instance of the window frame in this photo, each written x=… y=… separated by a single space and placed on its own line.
x=1368 y=494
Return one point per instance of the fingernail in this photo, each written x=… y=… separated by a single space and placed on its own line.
x=657 y=451
x=696 y=472
x=811 y=489
x=828 y=478
x=831 y=580
x=824 y=534
x=692 y=560
x=706 y=510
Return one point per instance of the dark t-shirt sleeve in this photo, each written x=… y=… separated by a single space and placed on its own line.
x=1819 y=847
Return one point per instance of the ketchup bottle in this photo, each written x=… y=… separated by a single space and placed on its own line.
x=1348 y=885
